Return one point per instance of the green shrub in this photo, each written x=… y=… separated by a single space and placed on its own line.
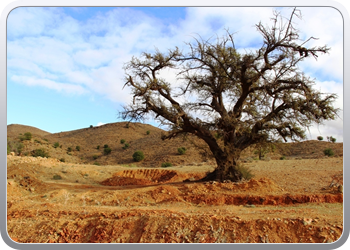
x=107 y=150
x=40 y=152
x=45 y=139
x=245 y=171
x=77 y=148
x=37 y=141
x=96 y=163
x=328 y=152
x=138 y=156
x=332 y=139
x=105 y=146
x=62 y=160
x=98 y=147
x=27 y=136
x=148 y=132
x=166 y=164
x=69 y=149
x=282 y=158
x=57 y=177
x=56 y=145
x=181 y=151
x=320 y=138
x=126 y=145
x=13 y=146
x=95 y=157
x=122 y=141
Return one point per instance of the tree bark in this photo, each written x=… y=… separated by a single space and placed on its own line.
x=226 y=168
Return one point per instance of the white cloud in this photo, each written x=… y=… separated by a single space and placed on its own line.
x=100 y=124
x=50 y=49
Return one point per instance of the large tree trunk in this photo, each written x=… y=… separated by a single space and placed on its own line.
x=226 y=169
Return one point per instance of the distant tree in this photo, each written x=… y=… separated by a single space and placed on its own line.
x=332 y=139
x=56 y=145
x=320 y=138
x=261 y=149
x=248 y=98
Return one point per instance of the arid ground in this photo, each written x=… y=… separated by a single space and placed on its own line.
x=111 y=199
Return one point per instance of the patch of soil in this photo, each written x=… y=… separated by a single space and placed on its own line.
x=289 y=201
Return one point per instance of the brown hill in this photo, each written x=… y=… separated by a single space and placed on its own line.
x=150 y=143
x=14 y=130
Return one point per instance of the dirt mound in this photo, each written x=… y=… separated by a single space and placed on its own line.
x=144 y=177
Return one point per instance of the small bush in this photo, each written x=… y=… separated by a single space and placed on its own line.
x=77 y=148
x=69 y=149
x=282 y=158
x=105 y=146
x=57 y=177
x=27 y=136
x=138 y=156
x=95 y=157
x=62 y=160
x=126 y=145
x=320 y=138
x=40 y=152
x=91 y=126
x=37 y=141
x=166 y=164
x=56 y=145
x=96 y=163
x=20 y=147
x=328 y=152
x=13 y=146
x=148 y=132
x=98 y=147
x=107 y=150
x=245 y=171
x=45 y=139
x=181 y=151
x=122 y=141
x=332 y=139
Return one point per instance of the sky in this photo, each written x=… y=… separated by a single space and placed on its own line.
x=65 y=64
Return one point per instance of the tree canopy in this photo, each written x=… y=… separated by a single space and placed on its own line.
x=246 y=98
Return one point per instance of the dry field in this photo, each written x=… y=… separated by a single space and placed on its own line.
x=293 y=200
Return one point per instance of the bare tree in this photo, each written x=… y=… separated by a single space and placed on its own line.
x=246 y=99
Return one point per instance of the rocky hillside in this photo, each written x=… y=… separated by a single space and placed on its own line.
x=86 y=145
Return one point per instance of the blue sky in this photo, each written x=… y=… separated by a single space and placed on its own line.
x=65 y=65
